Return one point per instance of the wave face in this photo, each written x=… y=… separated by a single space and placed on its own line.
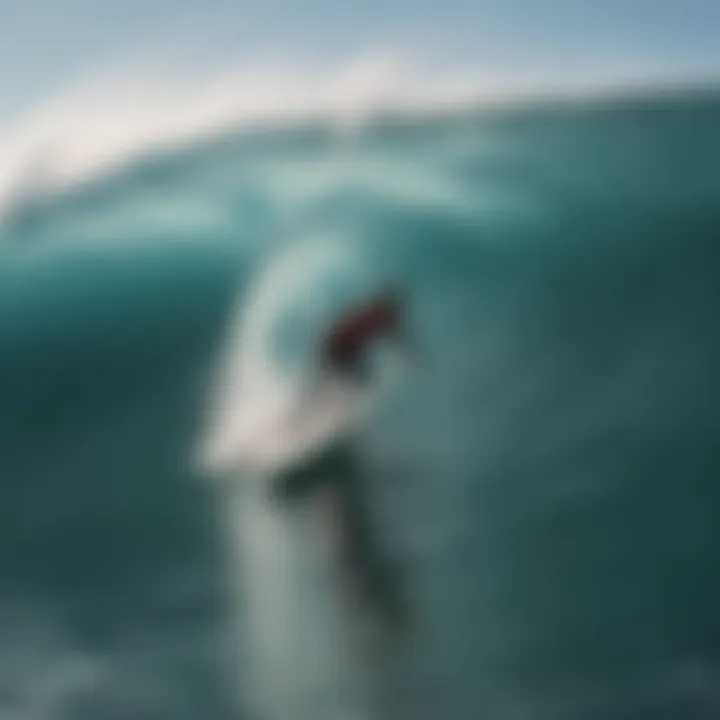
x=546 y=484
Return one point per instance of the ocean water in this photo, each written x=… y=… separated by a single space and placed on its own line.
x=548 y=483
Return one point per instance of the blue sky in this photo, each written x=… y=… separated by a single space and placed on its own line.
x=47 y=43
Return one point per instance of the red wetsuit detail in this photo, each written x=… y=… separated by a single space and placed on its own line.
x=346 y=340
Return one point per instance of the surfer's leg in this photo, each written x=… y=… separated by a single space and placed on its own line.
x=365 y=565
x=372 y=582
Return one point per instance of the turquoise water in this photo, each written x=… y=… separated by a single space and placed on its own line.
x=548 y=484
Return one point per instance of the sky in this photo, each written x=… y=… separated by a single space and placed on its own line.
x=45 y=44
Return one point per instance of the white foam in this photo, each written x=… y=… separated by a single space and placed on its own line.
x=97 y=126
x=94 y=127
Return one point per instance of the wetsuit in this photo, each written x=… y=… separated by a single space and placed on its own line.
x=345 y=344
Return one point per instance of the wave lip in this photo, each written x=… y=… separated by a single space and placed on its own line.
x=104 y=125
x=91 y=130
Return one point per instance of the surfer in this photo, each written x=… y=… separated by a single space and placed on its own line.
x=343 y=354
x=343 y=350
x=345 y=346
x=323 y=610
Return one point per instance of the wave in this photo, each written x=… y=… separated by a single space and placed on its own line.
x=93 y=129
x=97 y=127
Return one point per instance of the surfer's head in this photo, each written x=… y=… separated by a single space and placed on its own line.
x=347 y=342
